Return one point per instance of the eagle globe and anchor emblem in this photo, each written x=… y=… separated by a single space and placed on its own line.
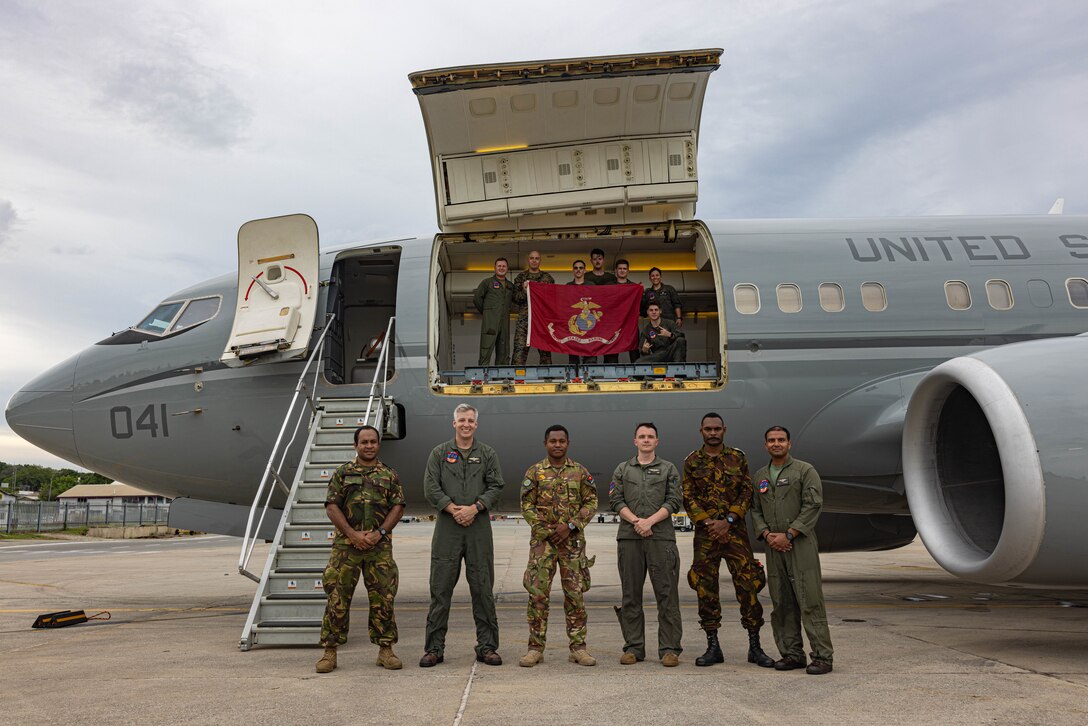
x=586 y=319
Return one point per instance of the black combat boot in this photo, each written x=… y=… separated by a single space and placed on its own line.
x=713 y=652
x=755 y=652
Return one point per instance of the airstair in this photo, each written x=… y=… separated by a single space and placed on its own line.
x=290 y=602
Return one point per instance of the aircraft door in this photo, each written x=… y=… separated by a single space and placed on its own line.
x=277 y=290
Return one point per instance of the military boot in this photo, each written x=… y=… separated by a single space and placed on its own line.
x=713 y=652
x=328 y=661
x=388 y=660
x=755 y=651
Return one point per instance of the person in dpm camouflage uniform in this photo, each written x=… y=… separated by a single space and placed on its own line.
x=364 y=503
x=558 y=499
x=717 y=494
x=521 y=306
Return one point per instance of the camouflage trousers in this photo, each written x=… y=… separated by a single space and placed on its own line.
x=521 y=347
x=747 y=572
x=381 y=577
x=574 y=567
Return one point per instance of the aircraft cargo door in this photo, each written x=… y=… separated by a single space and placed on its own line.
x=277 y=290
x=537 y=145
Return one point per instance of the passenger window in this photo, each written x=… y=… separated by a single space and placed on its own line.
x=1077 y=287
x=160 y=318
x=999 y=294
x=831 y=297
x=957 y=294
x=873 y=297
x=746 y=298
x=197 y=311
x=1039 y=293
x=789 y=298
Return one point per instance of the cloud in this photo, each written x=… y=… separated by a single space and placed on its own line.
x=9 y=220
x=177 y=96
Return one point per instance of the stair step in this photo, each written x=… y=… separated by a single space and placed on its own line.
x=335 y=437
x=334 y=455
x=348 y=420
x=301 y=560
x=310 y=514
x=344 y=405
x=307 y=634
x=273 y=611
x=305 y=583
x=309 y=535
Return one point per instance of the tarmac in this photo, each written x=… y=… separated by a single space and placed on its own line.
x=912 y=645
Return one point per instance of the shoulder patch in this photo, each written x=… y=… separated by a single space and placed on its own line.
x=528 y=483
x=764 y=485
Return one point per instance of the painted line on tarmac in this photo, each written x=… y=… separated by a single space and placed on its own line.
x=29 y=584
x=464 y=696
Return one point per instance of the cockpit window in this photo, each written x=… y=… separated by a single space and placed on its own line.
x=197 y=311
x=160 y=318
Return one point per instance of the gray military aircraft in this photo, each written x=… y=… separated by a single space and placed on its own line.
x=930 y=368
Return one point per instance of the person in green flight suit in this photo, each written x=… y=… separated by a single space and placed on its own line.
x=645 y=493
x=492 y=298
x=463 y=481
x=661 y=341
x=364 y=502
x=787 y=502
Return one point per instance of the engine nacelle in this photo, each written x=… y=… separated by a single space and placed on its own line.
x=995 y=459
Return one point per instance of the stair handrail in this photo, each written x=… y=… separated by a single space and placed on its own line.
x=381 y=372
x=271 y=474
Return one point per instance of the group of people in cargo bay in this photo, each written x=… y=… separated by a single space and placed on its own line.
x=660 y=338
x=463 y=480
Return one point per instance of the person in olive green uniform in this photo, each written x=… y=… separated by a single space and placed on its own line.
x=521 y=305
x=492 y=299
x=786 y=505
x=463 y=480
x=665 y=296
x=645 y=493
x=558 y=499
x=598 y=276
x=364 y=503
x=717 y=494
x=622 y=268
x=661 y=341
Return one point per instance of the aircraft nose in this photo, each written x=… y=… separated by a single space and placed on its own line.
x=41 y=412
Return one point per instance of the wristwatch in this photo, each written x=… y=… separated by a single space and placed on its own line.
x=572 y=526
x=789 y=536
x=384 y=531
x=479 y=507
x=730 y=518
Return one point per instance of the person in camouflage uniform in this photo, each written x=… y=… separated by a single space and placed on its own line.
x=558 y=499
x=717 y=494
x=364 y=502
x=521 y=306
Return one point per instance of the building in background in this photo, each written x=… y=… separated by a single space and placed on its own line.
x=115 y=493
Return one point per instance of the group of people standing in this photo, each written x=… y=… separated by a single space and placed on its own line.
x=661 y=337
x=463 y=480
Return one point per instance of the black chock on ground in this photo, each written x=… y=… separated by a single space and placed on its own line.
x=64 y=618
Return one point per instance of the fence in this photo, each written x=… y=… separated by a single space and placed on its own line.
x=52 y=516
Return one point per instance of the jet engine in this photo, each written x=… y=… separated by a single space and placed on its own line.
x=995 y=461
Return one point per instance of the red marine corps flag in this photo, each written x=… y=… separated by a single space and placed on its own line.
x=583 y=320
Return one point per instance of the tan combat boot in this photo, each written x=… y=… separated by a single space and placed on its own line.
x=670 y=660
x=531 y=658
x=328 y=661
x=581 y=656
x=387 y=659
x=628 y=658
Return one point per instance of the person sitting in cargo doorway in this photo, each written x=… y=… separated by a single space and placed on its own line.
x=661 y=340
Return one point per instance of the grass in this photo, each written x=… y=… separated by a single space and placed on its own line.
x=79 y=531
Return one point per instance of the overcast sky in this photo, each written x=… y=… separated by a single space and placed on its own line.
x=135 y=137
